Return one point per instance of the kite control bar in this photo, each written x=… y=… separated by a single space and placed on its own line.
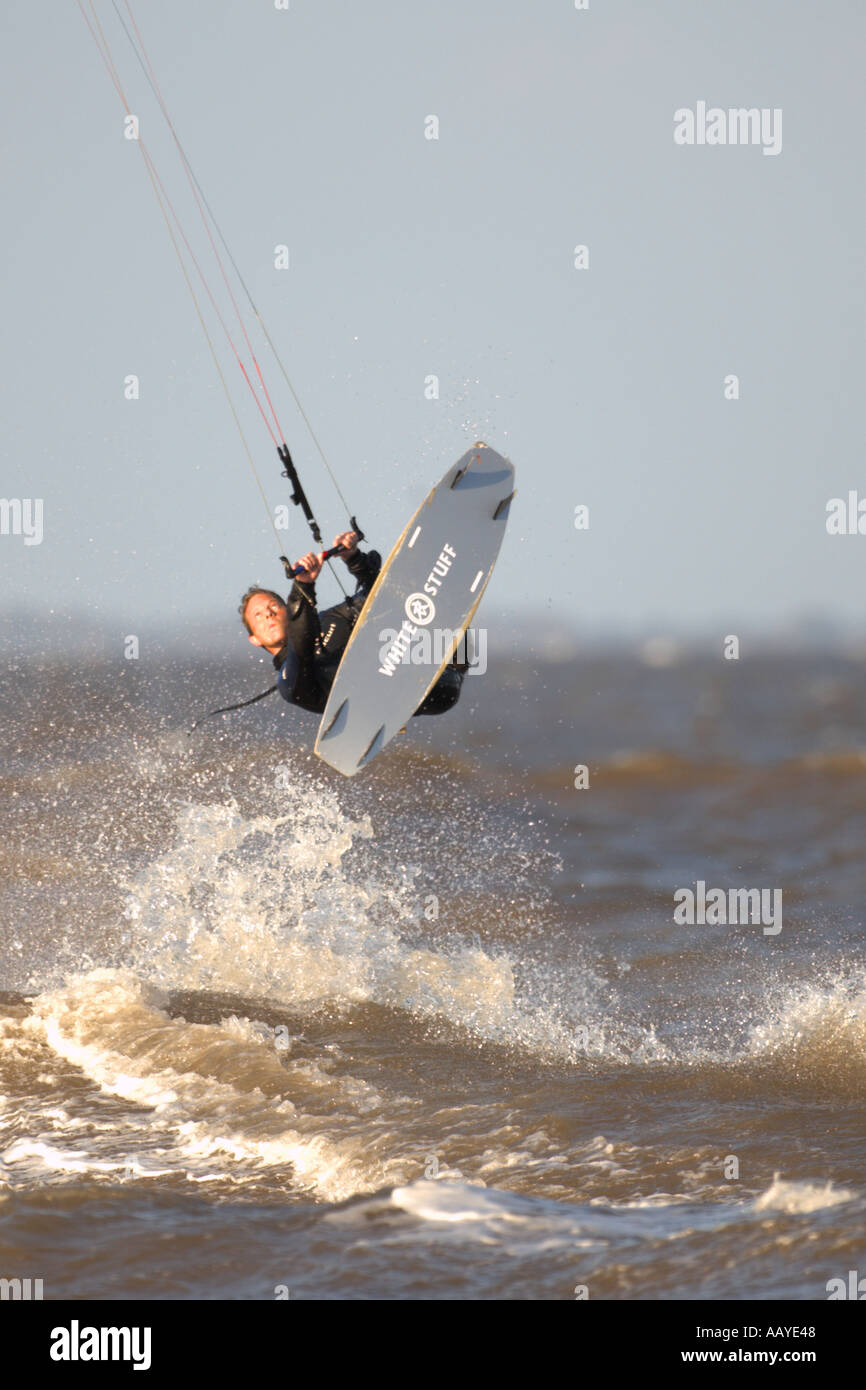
x=293 y=572
x=299 y=497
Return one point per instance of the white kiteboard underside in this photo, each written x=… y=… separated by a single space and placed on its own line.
x=422 y=601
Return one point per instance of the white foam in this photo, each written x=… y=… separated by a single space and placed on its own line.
x=801 y=1197
x=262 y=907
x=441 y=1200
x=109 y=1024
x=827 y=1017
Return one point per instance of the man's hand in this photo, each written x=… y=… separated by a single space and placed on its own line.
x=347 y=541
x=309 y=566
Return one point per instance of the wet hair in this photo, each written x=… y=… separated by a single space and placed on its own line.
x=251 y=593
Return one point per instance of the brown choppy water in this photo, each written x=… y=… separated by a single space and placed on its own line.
x=239 y=1052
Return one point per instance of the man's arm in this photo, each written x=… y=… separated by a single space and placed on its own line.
x=362 y=568
x=301 y=604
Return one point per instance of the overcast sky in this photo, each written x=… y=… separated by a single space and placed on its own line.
x=413 y=257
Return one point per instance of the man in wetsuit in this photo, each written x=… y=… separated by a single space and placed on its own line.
x=307 y=645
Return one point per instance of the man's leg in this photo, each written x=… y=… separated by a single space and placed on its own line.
x=444 y=695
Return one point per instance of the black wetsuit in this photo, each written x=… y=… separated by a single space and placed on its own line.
x=317 y=641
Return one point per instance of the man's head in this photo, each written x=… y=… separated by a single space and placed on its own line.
x=265 y=618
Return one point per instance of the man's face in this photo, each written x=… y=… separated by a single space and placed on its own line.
x=267 y=617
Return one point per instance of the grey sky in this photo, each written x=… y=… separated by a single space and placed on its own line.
x=455 y=257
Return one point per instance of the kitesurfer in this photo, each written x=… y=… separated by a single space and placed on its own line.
x=307 y=645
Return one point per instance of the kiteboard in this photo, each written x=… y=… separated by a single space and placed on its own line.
x=419 y=607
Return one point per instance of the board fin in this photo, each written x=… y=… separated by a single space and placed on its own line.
x=374 y=747
x=342 y=715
